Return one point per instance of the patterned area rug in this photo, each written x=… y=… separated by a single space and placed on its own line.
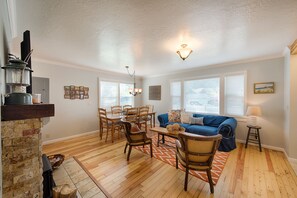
x=166 y=153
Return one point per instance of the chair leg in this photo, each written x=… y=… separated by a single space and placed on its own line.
x=210 y=181
x=186 y=179
x=129 y=152
x=176 y=162
x=151 y=145
x=125 y=147
x=106 y=134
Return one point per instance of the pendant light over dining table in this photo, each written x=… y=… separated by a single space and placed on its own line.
x=135 y=91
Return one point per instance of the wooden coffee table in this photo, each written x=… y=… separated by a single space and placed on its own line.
x=163 y=132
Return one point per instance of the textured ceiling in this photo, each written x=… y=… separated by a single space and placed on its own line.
x=109 y=34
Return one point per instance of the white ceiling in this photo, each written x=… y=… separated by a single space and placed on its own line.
x=109 y=34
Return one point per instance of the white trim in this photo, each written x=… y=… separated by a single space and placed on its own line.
x=263 y=146
x=67 y=138
x=212 y=66
x=12 y=17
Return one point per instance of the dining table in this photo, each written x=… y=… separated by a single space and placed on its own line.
x=115 y=118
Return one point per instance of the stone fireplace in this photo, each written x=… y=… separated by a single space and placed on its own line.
x=21 y=149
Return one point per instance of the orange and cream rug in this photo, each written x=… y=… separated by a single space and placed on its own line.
x=166 y=153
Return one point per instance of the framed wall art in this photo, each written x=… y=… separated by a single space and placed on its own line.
x=76 y=92
x=155 y=92
x=264 y=88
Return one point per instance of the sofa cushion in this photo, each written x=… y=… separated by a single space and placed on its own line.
x=174 y=115
x=185 y=118
x=211 y=120
x=202 y=130
x=197 y=120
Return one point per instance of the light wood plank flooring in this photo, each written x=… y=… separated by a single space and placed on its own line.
x=247 y=173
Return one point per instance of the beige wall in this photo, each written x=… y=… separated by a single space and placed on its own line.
x=272 y=70
x=73 y=117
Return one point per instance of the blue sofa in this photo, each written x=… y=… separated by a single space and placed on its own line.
x=213 y=124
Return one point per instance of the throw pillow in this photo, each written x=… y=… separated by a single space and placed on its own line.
x=185 y=118
x=197 y=120
x=134 y=128
x=174 y=116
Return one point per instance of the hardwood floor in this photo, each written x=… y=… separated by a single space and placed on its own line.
x=247 y=173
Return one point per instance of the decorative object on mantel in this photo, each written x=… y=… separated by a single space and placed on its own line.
x=155 y=92
x=264 y=88
x=184 y=52
x=17 y=77
x=135 y=90
x=76 y=92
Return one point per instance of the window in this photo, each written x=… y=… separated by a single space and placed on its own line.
x=113 y=93
x=202 y=95
x=175 y=92
x=125 y=97
x=223 y=94
x=234 y=94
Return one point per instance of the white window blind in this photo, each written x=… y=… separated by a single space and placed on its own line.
x=234 y=95
x=108 y=94
x=125 y=97
x=175 y=92
x=202 y=95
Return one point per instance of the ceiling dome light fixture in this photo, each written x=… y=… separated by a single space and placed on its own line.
x=135 y=90
x=184 y=52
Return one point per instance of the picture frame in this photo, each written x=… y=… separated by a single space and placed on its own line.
x=264 y=88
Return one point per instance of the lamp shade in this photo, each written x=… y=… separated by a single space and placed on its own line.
x=253 y=111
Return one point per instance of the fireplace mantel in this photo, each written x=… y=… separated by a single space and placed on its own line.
x=23 y=112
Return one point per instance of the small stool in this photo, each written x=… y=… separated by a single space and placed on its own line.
x=256 y=134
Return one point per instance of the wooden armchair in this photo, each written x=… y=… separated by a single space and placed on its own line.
x=137 y=138
x=196 y=152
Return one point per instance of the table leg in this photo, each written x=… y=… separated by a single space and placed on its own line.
x=154 y=120
x=158 y=140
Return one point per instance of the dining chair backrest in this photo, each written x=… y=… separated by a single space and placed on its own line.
x=116 y=110
x=151 y=108
x=143 y=111
x=102 y=112
x=131 y=115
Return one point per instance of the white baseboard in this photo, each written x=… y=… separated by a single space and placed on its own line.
x=67 y=138
x=292 y=161
x=264 y=146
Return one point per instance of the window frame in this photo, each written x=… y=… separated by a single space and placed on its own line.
x=118 y=90
x=222 y=105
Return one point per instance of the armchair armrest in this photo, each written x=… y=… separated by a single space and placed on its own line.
x=227 y=128
x=163 y=119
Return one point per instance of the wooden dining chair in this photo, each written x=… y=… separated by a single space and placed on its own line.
x=116 y=110
x=101 y=113
x=125 y=107
x=142 y=118
x=196 y=152
x=111 y=127
x=150 y=117
x=135 y=138
x=131 y=115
